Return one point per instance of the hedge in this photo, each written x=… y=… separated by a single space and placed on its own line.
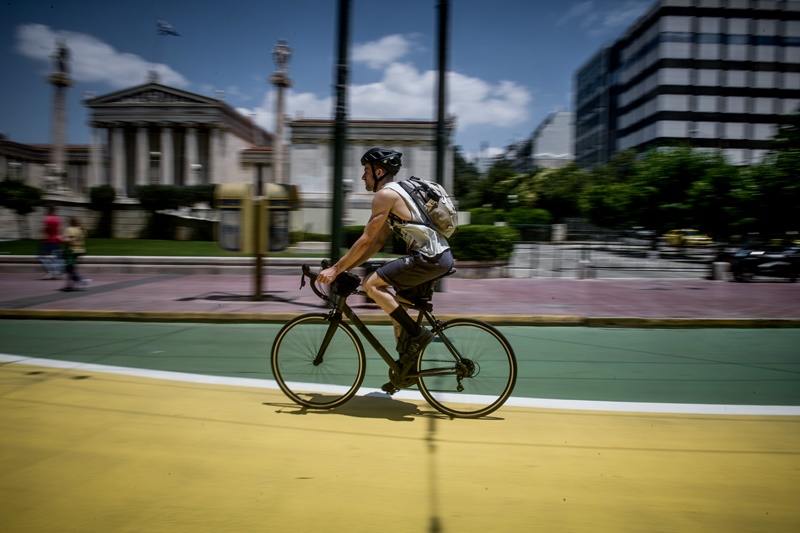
x=483 y=243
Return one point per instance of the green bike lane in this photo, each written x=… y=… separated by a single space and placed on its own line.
x=673 y=366
x=90 y=442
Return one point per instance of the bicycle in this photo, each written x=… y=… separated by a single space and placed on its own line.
x=468 y=370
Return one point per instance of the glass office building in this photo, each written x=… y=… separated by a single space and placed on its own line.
x=715 y=74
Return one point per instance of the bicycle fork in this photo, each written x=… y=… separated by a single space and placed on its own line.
x=335 y=316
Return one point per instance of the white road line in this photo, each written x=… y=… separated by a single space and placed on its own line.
x=539 y=403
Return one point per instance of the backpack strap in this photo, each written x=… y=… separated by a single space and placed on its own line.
x=411 y=189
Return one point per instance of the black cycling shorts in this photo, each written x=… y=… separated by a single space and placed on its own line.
x=408 y=272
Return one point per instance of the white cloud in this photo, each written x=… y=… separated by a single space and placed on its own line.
x=605 y=18
x=92 y=60
x=406 y=93
x=381 y=53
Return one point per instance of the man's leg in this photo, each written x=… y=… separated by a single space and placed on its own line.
x=377 y=289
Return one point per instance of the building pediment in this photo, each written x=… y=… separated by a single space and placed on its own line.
x=151 y=93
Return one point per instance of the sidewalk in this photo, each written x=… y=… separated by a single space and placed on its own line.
x=221 y=298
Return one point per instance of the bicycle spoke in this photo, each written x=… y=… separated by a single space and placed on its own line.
x=481 y=382
x=309 y=379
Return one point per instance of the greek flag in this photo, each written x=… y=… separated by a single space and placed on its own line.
x=165 y=28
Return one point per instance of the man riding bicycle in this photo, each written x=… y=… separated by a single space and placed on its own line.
x=429 y=252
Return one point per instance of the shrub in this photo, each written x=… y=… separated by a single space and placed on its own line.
x=197 y=194
x=159 y=197
x=528 y=216
x=19 y=197
x=101 y=198
x=22 y=199
x=485 y=216
x=483 y=243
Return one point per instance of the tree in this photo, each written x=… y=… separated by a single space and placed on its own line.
x=465 y=175
x=496 y=187
x=775 y=193
x=22 y=199
x=101 y=198
x=662 y=185
x=559 y=190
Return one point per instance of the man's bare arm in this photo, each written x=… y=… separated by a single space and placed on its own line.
x=374 y=237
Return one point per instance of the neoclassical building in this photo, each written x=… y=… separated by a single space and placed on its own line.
x=311 y=162
x=155 y=134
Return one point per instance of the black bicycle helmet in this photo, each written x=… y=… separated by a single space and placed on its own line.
x=383 y=157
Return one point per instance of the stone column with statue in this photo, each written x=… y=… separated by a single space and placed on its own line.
x=280 y=79
x=55 y=181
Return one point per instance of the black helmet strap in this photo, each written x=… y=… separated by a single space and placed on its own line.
x=376 y=179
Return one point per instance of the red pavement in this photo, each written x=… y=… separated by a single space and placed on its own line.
x=507 y=300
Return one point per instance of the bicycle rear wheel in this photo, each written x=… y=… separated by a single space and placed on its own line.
x=477 y=385
x=312 y=381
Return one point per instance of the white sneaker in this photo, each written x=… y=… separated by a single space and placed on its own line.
x=84 y=283
x=48 y=276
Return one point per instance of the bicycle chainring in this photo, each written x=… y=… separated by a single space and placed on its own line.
x=401 y=383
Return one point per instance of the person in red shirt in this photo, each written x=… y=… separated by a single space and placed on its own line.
x=50 y=251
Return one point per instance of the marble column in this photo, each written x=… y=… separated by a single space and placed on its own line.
x=191 y=176
x=142 y=156
x=214 y=176
x=95 y=157
x=118 y=180
x=167 y=157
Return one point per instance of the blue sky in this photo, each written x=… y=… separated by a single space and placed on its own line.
x=511 y=62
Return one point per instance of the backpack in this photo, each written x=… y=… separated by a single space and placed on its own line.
x=433 y=200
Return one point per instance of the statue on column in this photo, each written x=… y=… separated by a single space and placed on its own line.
x=61 y=56
x=281 y=55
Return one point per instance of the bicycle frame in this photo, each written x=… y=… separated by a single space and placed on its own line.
x=340 y=308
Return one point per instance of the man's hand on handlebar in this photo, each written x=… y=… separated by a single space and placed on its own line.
x=327 y=276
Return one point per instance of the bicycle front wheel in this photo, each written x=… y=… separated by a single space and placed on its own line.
x=471 y=377
x=311 y=377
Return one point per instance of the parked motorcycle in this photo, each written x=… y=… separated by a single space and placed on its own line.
x=767 y=261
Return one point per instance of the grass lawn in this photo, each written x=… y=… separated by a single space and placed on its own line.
x=145 y=247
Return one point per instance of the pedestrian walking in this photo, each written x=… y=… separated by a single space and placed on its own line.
x=74 y=239
x=50 y=255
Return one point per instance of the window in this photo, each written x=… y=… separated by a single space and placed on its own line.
x=673 y=76
x=737 y=78
x=676 y=24
x=676 y=37
x=708 y=78
x=737 y=39
x=763 y=106
x=733 y=130
x=763 y=132
x=673 y=102
x=739 y=26
x=671 y=128
x=710 y=25
x=790 y=106
x=707 y=104
x=765 y=80
x=736 y=104
x=709 y=38
x=676 y=50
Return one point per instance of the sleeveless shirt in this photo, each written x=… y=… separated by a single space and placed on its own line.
x=416 y=234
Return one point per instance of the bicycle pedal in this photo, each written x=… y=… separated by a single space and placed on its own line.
x=389 y=388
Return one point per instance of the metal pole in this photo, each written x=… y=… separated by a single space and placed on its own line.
x=340 y=131
x=441 y=138
x=258 y=285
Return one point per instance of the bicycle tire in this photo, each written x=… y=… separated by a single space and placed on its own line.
x=491 y=370
x=318 y=386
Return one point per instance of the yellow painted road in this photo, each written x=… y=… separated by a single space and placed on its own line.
x=95 y=452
